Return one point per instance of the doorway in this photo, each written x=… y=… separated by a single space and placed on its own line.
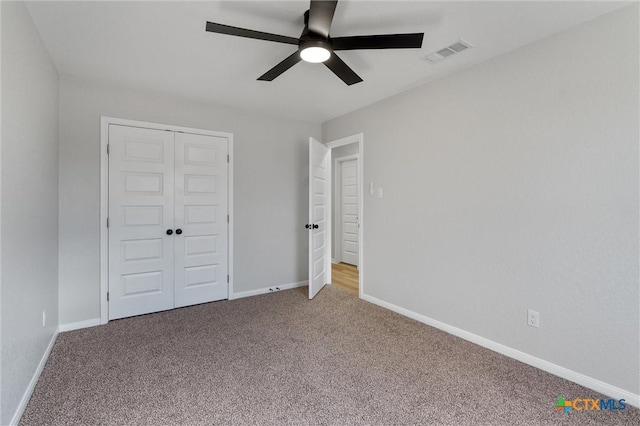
x=347 y=214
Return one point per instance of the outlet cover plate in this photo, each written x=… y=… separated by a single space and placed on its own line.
x=533 y=318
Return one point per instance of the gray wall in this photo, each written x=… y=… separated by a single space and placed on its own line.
x=29 y=192
x=514 y=185
x=270 y=187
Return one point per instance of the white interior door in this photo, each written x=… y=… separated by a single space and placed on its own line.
x=141 y=168
x=200 y=219
x=349 y=212
x=319 y=209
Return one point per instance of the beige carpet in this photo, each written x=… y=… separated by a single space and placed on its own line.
x=281 y=359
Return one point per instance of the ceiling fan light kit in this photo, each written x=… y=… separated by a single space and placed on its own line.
x=315 y=45
x=315 y=51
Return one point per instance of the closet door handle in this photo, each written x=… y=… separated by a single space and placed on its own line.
x=178 y=231
x=169 y=231
x=315 y=226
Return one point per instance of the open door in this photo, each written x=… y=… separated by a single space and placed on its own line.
x=319 y=225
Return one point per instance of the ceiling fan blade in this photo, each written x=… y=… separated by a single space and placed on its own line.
x=342 y=70
x=281 y=67
x=321 y=16
x=243 y=32
x=383 y=41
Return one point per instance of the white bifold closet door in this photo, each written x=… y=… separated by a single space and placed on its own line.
x=168 y=206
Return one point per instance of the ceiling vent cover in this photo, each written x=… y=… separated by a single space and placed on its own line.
x=441 y=54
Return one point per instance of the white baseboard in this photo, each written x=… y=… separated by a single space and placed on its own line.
x=78 y=325
x=34 y=380
x=266 y=290
x=573 y=376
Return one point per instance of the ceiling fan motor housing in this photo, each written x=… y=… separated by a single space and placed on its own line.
x=314 y=43
x=304 y=44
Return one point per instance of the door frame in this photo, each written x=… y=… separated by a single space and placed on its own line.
x=359 y=139
x=104 y=198
x=338 y=163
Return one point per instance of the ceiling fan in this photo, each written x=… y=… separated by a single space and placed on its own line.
x=315 y=45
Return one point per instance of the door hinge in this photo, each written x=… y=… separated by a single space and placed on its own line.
x=227 y=279
x=227 y=158
x=107 y=222
x=227 y=218
x=107 y=149
x=107 y=296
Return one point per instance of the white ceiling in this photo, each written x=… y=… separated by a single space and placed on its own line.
x=163 y=47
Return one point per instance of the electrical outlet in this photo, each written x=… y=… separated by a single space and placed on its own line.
x=533 y=318
x=44 y=318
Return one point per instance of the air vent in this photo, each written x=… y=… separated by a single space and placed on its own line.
x=441 y=54
x=446 y=52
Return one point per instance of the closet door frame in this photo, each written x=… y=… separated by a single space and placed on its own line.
x=104 y=198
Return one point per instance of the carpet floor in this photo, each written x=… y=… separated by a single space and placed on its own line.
x=280 y=359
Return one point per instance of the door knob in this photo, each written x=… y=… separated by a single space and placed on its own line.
x=307 y=226
x=169 y=231
x=315 y=226
x=178 y=231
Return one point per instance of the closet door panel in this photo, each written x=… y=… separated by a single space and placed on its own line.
x=141 y=193
x=201 y=208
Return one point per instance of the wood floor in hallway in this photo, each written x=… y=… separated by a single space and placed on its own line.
x=345 y=277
